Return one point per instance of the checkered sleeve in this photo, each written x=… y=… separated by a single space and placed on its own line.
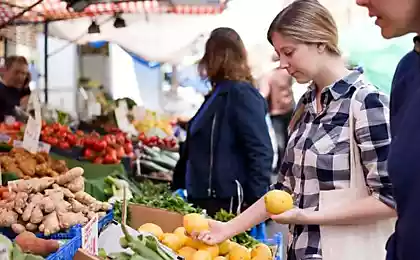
x=284 y=180
x=374 y=137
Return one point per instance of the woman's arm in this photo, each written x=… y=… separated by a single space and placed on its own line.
x=248 y=119
x=373 y=137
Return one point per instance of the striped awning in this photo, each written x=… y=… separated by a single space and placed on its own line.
x=57 y=10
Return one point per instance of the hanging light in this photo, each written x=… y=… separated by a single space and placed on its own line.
x=94 y=28
x=119 y=22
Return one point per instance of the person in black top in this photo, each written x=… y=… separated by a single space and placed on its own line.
x=14 y=85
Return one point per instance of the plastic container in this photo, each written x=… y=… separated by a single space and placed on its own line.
x=276 y=243
x=103 y=222
x=68 y=250
x=72 y=232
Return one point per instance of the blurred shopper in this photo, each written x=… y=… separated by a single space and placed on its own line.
x=396 y=18
x=228 y=153
x=14 y=85
x=335 y=165
x=276 y=87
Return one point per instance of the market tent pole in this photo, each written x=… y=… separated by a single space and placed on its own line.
x=46 y=61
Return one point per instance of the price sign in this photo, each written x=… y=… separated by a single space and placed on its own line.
x=44 y=147
x=33 y=126
x=122 y=120
x=31 y=135
x=90 y=236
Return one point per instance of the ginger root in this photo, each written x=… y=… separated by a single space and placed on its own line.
x=50 y=224
x=69 y=219
x=69 y=176
x=76 y=185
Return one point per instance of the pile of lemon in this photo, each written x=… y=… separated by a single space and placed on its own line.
x=192 y=249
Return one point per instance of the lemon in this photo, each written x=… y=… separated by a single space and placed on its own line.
x=214 y=250
x=172 y=241
x=152 y=229
x=201 y=255
x=278 y=201
x=180 y=232
x=261 y=251
x=239 y=253
x=224 y=247
x=195 y=222
x=186 y=252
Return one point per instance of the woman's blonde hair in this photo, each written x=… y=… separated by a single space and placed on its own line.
x=306 y=21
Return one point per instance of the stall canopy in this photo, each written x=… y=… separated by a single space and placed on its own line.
x=52 y=10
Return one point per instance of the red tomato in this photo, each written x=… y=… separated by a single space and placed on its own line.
x=64 y=145
x=120 y=152
x=109 y=159
x=71 y=139
x=80 y=133
x=128 y=148
x=99 y=145
x=53 y=141
x=88 y=154
x=98 y=160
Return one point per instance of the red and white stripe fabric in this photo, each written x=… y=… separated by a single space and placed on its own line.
x=57 y=9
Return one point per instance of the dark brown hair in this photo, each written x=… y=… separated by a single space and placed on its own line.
x=10 y=60
x=225 y=57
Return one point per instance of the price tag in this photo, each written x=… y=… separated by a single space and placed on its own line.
x=90 y=236
x=4 y=138
x=4 y=252
x=31 y=135
x=44 y=147
x=33 y=126
x=123 y=105
x=122 y=120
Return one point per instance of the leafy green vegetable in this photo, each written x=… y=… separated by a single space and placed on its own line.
x=244 y=238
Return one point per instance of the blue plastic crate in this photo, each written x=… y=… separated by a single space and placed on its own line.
x=68 y=250
x=8 y=232
x=277 y=243
x=103 y=222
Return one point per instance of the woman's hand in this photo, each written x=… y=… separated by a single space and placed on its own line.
x=218 y=232
x=293 y=216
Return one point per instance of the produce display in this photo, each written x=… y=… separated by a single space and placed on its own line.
x=27 y=165
x=152 y=121
x=181 y=243
x=156 y=163
x=143 y=247
x=49 y=204
x=167 y=142
x=61 y=136
x=108 y=149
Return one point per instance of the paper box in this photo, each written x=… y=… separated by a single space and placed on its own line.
x=167 y=220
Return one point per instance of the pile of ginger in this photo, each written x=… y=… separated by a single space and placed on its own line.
x=49 y=204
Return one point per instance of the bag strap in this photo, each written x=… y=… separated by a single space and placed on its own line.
x=357 y=178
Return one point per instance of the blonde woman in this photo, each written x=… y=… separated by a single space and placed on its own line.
x=317 y=157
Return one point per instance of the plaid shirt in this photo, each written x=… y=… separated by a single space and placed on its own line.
x=317 y=156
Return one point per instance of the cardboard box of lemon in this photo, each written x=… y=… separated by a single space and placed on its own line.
x=192 y=249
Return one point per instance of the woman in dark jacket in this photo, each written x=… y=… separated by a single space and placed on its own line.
x=227 y=158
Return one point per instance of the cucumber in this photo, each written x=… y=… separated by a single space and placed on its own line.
x=150 y=151
x=170 y=154
x=164 y=163
x=154 y=166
